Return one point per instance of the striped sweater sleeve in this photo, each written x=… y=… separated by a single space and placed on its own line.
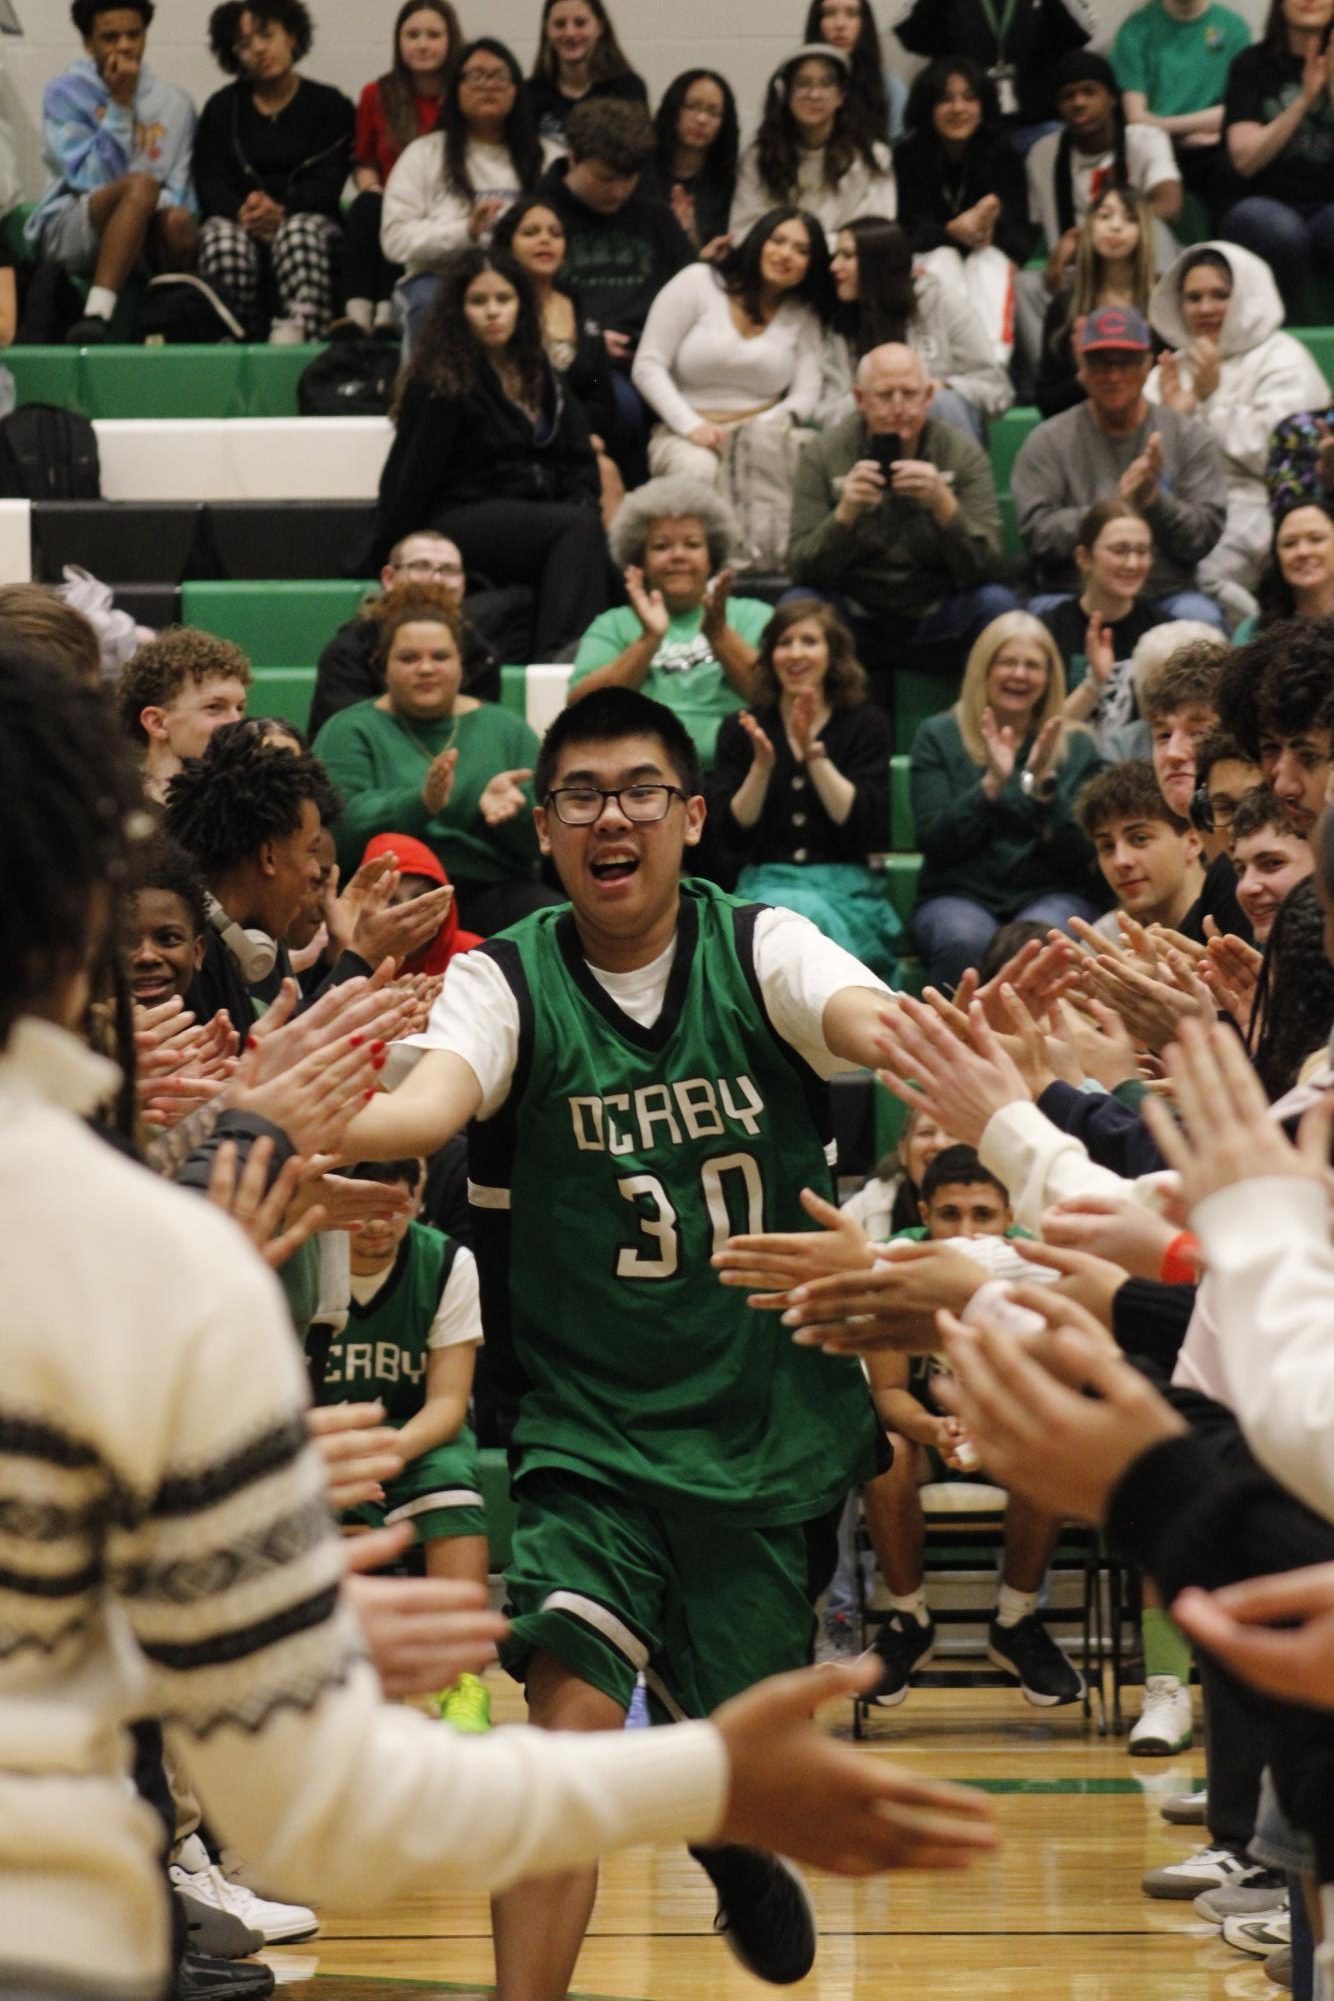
x=228 y=1571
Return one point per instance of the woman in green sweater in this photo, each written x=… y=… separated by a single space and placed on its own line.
x=994 y=782
x=424 y=759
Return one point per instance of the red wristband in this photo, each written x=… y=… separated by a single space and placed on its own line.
x=1181 y=1260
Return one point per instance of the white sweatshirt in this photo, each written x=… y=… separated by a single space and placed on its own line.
x=423 y=221
x=691 y=358
x=862 y=191
x=947 y=331
x=153 y=1461
x=1268 y=1247
x=1264 y=374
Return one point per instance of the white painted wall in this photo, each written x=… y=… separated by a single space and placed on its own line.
x=744 y=40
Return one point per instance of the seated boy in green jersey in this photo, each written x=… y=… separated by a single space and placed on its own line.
x=959 y=1199
x=412 y=1333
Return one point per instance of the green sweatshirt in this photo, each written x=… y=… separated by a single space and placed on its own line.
x=378 y=762
x=1001 y=852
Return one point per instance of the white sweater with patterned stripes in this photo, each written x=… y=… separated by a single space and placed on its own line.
x=166 y=1550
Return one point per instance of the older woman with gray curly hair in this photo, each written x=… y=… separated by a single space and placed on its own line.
x=682 y=637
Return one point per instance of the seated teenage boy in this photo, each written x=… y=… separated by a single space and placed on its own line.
x=413 y=1329
x=959 y=1199
x=1270 y=854
x=116 y=141
x=173 y=694
x=1149 y=856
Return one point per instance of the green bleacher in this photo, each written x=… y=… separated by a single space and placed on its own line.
x=115 y=381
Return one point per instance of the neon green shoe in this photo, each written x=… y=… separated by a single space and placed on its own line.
x=467 y=1706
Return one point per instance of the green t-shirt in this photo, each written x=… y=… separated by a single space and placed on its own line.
x=622 y=1158
x=378 y=762
x=683 y=675
x=1179 y=66
x=382 y=1350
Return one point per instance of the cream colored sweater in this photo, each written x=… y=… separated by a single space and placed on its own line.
x=166 y=1550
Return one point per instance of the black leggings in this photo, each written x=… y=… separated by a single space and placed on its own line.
x=367 y=272
x=555 y=546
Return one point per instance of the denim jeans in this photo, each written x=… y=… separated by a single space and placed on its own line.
x=953 y=932
x=1289 y=239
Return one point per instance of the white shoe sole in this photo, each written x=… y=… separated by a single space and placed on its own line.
x=1030 y=1695
x=893 y=1701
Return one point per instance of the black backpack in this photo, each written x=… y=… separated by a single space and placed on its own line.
x=48 y=453
x=178 y=309
x=352 y=378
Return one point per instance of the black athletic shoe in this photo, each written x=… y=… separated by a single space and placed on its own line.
x=764 y=1912
x=902 y=1644
x=202 y=1978
x=1029 y=1651
x=91 y=331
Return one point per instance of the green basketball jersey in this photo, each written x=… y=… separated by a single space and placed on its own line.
x=382 y=1350
x=622 y=1159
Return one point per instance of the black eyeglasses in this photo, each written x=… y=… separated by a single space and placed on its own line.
x=581 y=805
x=1209 y=815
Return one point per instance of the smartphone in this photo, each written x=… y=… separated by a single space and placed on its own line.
x=886 y=450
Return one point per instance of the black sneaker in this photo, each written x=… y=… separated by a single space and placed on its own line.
x=91 y=331
x=764 y=1912
x=1029 y=1651
x=202 y=1978
x=902 y=1644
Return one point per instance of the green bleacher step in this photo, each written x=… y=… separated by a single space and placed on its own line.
x=284 y=692
x=276 y=623
x=129 y=380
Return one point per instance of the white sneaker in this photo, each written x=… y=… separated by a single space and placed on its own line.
x=198 y=1875
x=1164 y=1725
x=1204 y=1869
x=1266 y=1932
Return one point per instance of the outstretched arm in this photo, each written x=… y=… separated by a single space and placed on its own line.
x=433 y=1103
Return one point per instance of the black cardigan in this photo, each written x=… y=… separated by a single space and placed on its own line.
x=933 y=189
x=452 y=451
x=300 y=158
x=795 y=825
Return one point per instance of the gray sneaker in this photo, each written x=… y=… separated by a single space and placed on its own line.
x=1187 y=1809
x=218 y=1933
x=1246 y=1900
x=1278 y=1968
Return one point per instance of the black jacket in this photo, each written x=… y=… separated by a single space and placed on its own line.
x=933 y=190
x=795 y=825
x=1041 y=32
x=617 y=263
x=452 y=451
x=301 y=158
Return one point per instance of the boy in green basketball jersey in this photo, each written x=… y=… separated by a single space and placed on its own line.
x=413 y=1329
x=644 y=1074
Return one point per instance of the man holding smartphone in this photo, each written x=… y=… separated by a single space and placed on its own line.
x=895 y=517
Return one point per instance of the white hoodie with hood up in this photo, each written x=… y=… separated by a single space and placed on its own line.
x=1264 y=375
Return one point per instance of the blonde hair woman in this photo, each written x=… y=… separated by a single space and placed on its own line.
x=994 y=780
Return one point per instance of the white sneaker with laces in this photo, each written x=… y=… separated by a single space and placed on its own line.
x=198 y=1875
x=1205 y=1869
x=1165 y=1724
x=1260 y=1935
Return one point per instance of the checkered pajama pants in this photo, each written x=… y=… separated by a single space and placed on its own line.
x=302 y=258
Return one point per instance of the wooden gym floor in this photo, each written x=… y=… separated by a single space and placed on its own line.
x=1055 y=1915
